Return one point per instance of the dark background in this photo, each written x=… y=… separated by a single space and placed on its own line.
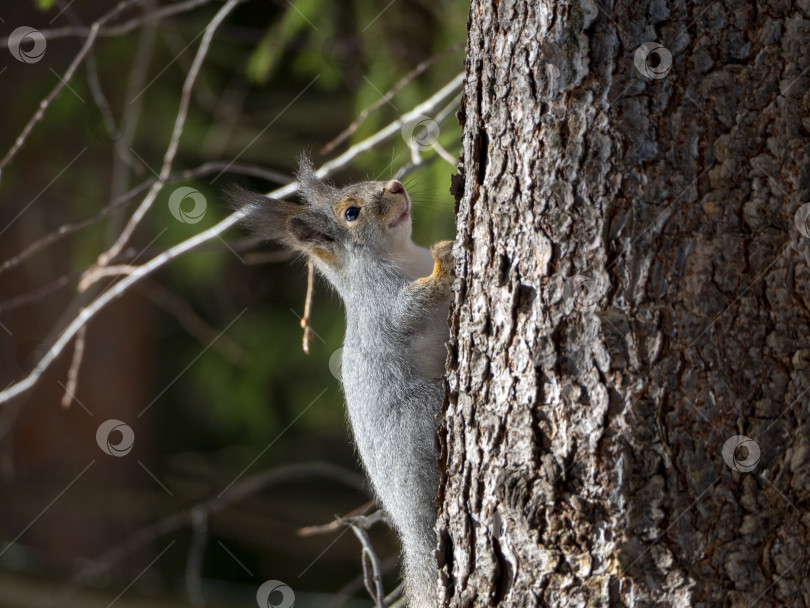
x=210 y=409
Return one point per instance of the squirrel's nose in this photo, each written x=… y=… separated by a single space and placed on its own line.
x=394 y=186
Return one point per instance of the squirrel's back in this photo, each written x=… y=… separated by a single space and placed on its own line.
x=393 y=410
x=396 y=296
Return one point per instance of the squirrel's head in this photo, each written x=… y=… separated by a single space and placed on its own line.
x=334 y=225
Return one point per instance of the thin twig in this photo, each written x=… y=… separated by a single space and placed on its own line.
x=395 y=595
x=225 y=117
x=447 y=110
x=337 y=523
x=63 y=81
x=121 y=28
x=392 y=129
x=445 y=154
x=357 y=583
x=106 y=271
x=267 y=257
x=409 y=168
x=371 y=566
x=128 y=125
x=364 y=521
x=372 y=571
x=308 y=304
x=366 y=112
x=193 y=323
x=175 y=41
x=196 y=552
x=174 y=141
x=38 y=293
x=118 y=202
x=89 y=311
x=75 y=364
x=96 y=91
x=212 y=505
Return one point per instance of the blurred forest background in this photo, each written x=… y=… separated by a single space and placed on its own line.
x=203 y=359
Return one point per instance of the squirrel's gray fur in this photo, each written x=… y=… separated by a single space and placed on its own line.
x=396 y=297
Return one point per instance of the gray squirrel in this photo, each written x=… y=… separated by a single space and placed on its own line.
x=396 y=295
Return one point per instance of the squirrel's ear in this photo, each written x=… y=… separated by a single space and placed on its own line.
x=265 y=216
x=310 y=229
x=314 y=190
x=293 y=225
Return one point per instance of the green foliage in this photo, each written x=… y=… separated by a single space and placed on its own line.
x=359 y=51
x=267 y=54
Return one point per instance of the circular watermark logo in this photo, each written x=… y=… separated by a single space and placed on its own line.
x=583 y=290
x=336 y=364
x=275 y=594
x=741 y=453
x=27 y=44
x=124 y=443
x=653 y=60
x=342 y=52
x=29 y=354
x=196 y=213
x=802 y=220
x=421 y=133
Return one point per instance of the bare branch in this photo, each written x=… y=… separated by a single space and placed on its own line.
x=38 y=293
x=366 y=112
x=118 y=202
x=174 y=141
x=357 y=583
x=196 y=551
x=372 y=570
x=63 y=81
x=121 y=28
x=395 y=595
x=371 y=566
x=106 y=271
x=445 y=154
x=96 y=91
x=338 y=522
x=89 y=311
x=392 y=129
x=211 y=506
x=193 y=323
x=128 y=124
x=308 y=304
x=73 y=372
x=364 y=521
x=451 y=107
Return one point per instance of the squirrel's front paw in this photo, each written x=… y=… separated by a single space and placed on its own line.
x=442 y=253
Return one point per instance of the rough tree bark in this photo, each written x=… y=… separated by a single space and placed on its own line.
x=632 y=294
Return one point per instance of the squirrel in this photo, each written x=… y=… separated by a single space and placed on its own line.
x=396 y=297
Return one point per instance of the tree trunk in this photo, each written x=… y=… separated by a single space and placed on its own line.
x=628 y=384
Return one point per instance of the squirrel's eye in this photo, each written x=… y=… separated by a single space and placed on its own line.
x=352 y=213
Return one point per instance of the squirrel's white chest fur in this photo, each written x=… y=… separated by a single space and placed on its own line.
x=415 y=261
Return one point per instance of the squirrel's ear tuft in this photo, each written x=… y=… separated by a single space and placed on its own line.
x=265 y=216
x=314 y=190
x=296 y=226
